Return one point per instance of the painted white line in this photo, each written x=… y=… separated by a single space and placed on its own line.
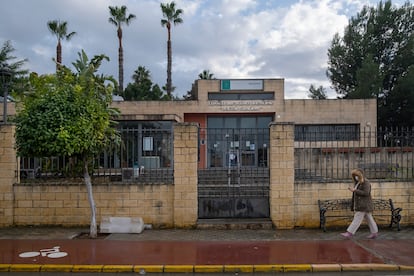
x=57 y=255
x=29 y=254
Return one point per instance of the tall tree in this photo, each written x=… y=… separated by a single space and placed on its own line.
x=369 y=80
x=118 y=18
x=142 y=88
x=68 y=114
x=60 y=30
x=171 y=15
x=399 y=107
x=317 y=93
x=141 y=74
x=16 y=66
x=205 y=75
x=375 y=52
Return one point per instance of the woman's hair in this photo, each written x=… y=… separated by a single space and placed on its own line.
x=359 y=173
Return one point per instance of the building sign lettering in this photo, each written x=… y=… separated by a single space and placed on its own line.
x=253 y=105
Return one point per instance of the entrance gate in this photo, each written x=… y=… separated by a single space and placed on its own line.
x=235 y=182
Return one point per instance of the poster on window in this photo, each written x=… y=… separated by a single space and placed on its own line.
x=147 y=144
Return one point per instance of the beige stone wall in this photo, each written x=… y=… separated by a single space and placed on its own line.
x=401 y=193
x=11 y=110
x=8 y=169
x=306 y=197
x=205 y=86
x=331 y=111
x=291 y=206
x=282 y=175
x=278 y=86
x=68 y=205
x=185 y=174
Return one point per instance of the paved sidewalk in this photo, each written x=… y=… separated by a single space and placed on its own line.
x=178 y=250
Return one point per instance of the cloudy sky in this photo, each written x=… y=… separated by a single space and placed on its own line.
x=231 y=38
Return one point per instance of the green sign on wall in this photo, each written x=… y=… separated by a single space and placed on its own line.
x=243 y=84
x=225 y=84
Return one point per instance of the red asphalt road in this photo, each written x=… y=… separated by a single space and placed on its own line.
x=115 y=252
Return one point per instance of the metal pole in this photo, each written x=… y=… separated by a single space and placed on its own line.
x=5 y=74
x=5 y=96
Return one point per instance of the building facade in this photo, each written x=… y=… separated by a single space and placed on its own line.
x=234 y=106
x=233 y=118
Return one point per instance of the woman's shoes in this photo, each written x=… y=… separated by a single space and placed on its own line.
x=347 y=235
x=372 y=236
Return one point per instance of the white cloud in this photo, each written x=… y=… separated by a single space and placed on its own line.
x=41 y=50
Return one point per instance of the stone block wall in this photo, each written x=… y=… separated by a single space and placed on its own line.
x=185 y=174
x=282 y=175
x=67 y=204
x=42 y=204
x=8 y=169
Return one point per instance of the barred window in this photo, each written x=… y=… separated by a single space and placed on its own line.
x=329 y=132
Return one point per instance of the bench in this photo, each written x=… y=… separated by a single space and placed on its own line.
x=341 y=209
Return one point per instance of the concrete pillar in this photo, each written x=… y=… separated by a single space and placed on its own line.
x=185 y=174
x=282 y=175
x=8 y=173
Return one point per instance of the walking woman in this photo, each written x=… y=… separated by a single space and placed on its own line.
x=361 y=205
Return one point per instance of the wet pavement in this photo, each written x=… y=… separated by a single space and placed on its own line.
x=204 y=250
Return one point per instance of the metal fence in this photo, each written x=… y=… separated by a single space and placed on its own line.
x=383 y=153
x=144 y=156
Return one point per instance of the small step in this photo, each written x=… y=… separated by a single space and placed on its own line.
x=235 y=224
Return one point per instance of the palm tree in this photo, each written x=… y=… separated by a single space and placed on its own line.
x=205 y=75
x=119 y=17
x=19 y=83
x=171 y=16
x=141 y=74
x=59 y=29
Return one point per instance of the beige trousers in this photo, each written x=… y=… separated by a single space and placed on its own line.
x=358 y=218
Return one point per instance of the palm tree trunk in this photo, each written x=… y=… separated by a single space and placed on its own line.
x=120 y=62
x=93 y=232
x=169 y=65
x=58 y=55
x=121 y=70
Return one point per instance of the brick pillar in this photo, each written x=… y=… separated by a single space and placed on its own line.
x=185 y=174
x=282 y=175
x=8 y=169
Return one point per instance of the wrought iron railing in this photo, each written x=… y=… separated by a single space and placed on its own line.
x=144 y=156
x=385 y=154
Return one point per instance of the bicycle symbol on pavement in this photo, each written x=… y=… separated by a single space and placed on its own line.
x=50 y=253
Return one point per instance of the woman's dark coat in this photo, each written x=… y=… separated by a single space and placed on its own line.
x=361 y=198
